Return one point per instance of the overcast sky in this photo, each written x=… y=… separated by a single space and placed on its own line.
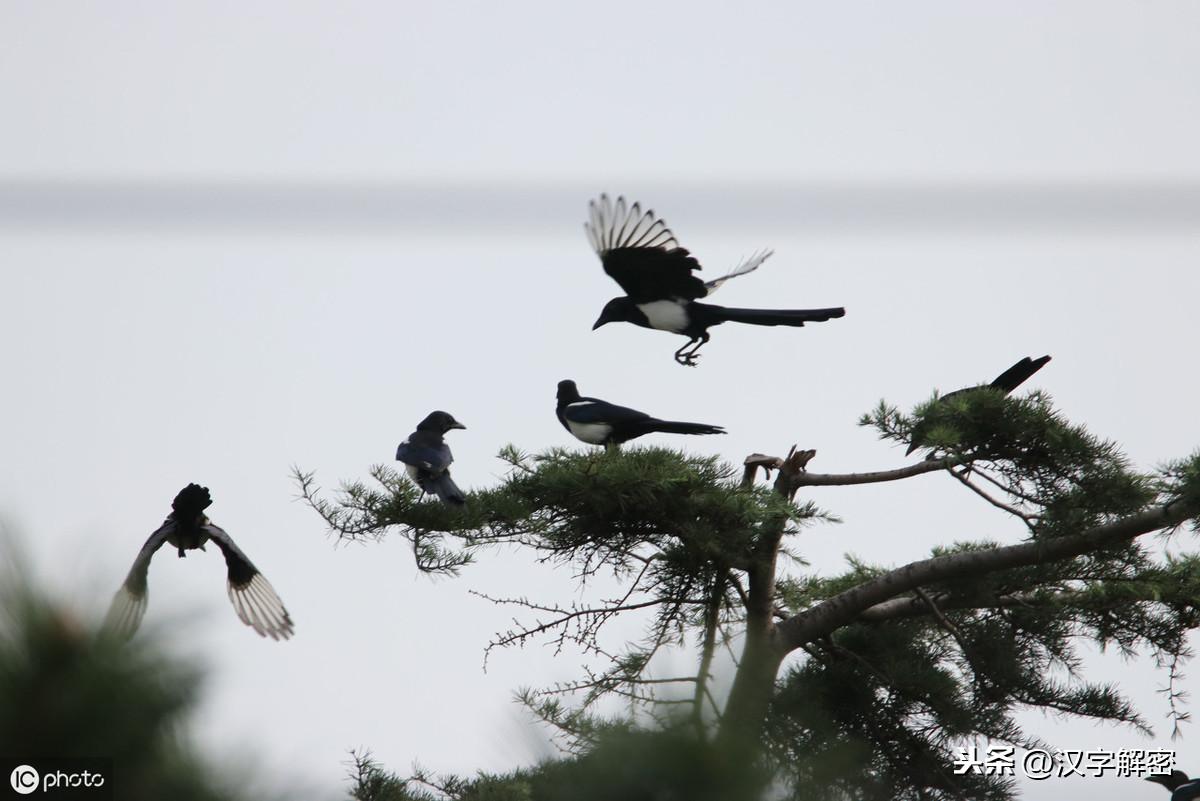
x=236 y=239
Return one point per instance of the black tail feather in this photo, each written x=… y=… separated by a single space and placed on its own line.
x=1018 y=374
x=446 y=490
x=675 y=427
x=777 y=316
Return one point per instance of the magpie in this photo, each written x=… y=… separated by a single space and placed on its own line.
x=1006 y=382
x=187 y=528
x=641 y=254
x=1182 y=788
x=428 y=458
x=598 y=422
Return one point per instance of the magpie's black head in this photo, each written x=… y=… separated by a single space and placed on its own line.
x=1177 y=779
x=617 y=310
x=191 y=502
x=439 y=422
x=567 y=392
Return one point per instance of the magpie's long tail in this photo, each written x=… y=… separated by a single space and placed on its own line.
x=1019 y=373
x=776 y=316
x=447 y=491
x=674 y=427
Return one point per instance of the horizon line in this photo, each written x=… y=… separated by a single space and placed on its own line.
x=430 y=203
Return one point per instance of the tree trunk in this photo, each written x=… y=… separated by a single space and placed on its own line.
x=750 y=696
x=754 y=682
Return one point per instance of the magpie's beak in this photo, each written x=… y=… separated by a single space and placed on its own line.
x=600 y=322
x=457 y=424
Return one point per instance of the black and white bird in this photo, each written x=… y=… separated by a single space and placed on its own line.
x=188 y=528
x=1006 y=382
x=641 y=254
x=1182 y=788
x=427 y=458
x=598 y=422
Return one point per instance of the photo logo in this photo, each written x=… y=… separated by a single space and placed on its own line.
x=24 y=779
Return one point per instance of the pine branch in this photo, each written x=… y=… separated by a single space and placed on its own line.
x=845 y=607
x=876 y=477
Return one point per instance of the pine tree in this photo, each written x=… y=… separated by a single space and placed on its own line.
x=899 y=666
x=75 y=699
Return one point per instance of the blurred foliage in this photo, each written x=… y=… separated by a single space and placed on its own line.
x=624 y=764
x=68 y=692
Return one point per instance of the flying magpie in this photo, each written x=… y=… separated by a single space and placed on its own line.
x=641 y=254
x=1006 y=382
x=598 y=422
x=428 y=458
x=188 y=528
x=1182 y=788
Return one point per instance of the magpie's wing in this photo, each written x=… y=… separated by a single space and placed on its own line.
x=748 y=266
x=129 y=604
x=416 y=451
x=640 y=253
x=592 y=410
x=253 y=597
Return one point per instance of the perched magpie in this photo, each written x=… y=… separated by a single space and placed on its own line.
x=1182 y=788
x=641 y=254
x=188 y=528
x=598 y=422
x=1006 y=382
x=428 y=458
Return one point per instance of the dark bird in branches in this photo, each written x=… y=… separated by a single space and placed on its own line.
x=1182 y=788
x=641 y=254
x=427 y=458
x=187 y=528
x=598 y=422
x=1006 y=382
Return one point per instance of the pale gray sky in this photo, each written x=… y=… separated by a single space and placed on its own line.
x=230 y=237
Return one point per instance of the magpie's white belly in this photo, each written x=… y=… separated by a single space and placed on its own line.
x=592 y=433
x=665 y=315
x=412 y=472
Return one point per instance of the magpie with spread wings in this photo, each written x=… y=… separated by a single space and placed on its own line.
x=641 y=254
x=427 y=458
x=598 y=422
x=187 y=528
x=1006 y=382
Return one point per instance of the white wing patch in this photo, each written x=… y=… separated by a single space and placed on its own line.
x=591 y=433
x=259 y=607
x=620 y=225
x=748 y=266
x=126 y=613
x=665 y=315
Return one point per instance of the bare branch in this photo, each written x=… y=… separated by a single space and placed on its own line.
x=1012 y=510
x=877 y=477
x=598 y=616
x=1009 y=488
x=755 y=461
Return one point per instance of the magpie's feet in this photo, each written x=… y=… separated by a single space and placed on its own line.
x=687 y=355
